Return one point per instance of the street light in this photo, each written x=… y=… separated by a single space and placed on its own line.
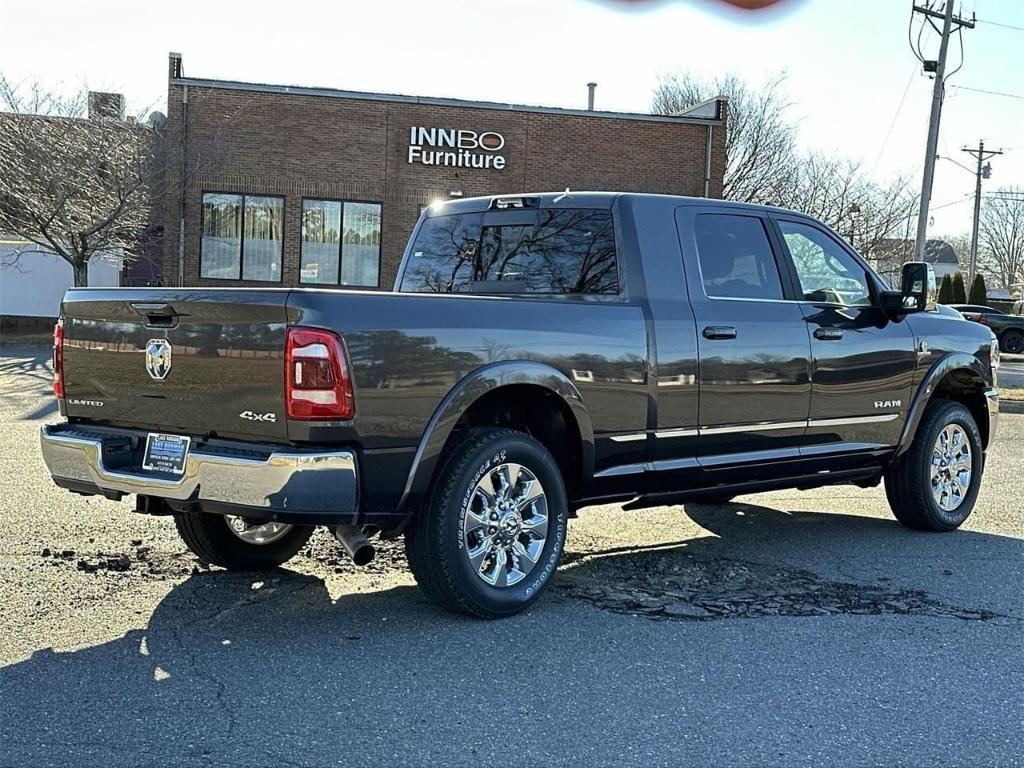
x=854 y=213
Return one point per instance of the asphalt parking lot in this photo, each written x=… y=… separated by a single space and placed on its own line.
x=790 y=629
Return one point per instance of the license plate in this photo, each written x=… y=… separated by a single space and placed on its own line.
x=166 y=453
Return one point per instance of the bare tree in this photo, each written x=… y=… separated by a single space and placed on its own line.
x=1001 y=237
x=73 y=186
x=759 y=140
x=872 y=216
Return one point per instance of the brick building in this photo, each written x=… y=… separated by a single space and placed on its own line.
x=298 y=186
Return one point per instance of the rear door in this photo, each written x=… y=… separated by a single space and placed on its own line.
x=862 y=362
x=752 y=345
x=200 y=362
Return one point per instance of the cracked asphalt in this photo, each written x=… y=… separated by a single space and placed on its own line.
x=789 y=628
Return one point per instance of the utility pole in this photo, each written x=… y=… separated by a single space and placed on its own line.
x=948 y=20
x=981 y=155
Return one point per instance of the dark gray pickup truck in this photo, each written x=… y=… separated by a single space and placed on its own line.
x=539 y=354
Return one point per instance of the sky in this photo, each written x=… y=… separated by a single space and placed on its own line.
x=857 y=89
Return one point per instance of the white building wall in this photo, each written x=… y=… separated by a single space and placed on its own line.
x=33 y=284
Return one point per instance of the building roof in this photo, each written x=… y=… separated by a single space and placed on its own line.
x=940 y=252
x=708 y=112
x=935 y=251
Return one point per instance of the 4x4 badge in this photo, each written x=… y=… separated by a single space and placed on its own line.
x=158 y=358
x=251 y=416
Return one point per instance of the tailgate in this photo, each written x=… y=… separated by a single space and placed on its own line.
x=199 y=362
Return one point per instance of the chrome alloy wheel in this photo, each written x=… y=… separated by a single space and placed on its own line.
x=256 y=533
x=951 y=467
x=505 y=525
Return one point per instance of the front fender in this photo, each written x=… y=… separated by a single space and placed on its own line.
x=468 y=391
x=948 y=363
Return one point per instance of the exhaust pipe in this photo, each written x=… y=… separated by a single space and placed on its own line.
x=355 y=543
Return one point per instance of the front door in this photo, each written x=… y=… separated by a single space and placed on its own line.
x=752 y=345
x=862 y=361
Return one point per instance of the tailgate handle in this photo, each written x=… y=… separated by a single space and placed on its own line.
x=157 y=314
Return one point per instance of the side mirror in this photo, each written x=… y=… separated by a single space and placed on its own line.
x=917 y=291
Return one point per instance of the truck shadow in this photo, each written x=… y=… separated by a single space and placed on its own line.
x=257 y=669
x=760 y=561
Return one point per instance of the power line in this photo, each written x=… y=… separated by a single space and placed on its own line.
x=990 y=93
x=961 y=201
x=895 y=117
x=1000 y=24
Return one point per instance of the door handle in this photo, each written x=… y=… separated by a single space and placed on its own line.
x=828 y=334
x=719 y=332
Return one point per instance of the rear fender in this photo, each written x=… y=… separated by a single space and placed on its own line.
x=468 y=391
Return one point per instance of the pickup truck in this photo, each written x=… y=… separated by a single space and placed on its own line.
x=539 y=353
x=1009 y=329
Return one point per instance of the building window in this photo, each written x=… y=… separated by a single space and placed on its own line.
x=340 y=243
x=242 y=237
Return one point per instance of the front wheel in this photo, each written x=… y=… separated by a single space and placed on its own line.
x=239 y=544
x=934 y=485
x=491 y=536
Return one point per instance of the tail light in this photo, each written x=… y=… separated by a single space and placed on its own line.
x=58 y=359
x=317 y=382
x=983 y=319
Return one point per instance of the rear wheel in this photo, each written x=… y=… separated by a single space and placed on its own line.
x=240 y=544
x=1012 y=342
x=489 y=539
x=934 y=485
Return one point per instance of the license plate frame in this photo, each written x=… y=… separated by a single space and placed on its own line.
x=166 y=453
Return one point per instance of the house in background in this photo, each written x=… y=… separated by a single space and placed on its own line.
x=889 y=255
x=33 y=281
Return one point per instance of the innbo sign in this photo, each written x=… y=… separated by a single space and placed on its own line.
x=456 y=148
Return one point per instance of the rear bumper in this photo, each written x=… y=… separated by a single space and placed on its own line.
x=274 y=482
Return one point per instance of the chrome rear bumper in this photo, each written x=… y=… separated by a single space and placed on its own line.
x=274 y=479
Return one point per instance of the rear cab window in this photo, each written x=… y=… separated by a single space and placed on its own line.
x=564 y=251
x=735 y=256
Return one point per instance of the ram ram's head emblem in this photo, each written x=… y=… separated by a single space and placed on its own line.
x=158 y=358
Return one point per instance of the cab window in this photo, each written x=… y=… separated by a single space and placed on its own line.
x=736 y=260
x=543 y=252
x=827 y=273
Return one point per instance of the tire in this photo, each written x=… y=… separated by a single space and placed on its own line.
x=1012 y=342
x=908 y=482
x=440 y=540
x=212 y=541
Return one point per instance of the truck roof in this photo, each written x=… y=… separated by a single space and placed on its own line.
x=581 y=199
